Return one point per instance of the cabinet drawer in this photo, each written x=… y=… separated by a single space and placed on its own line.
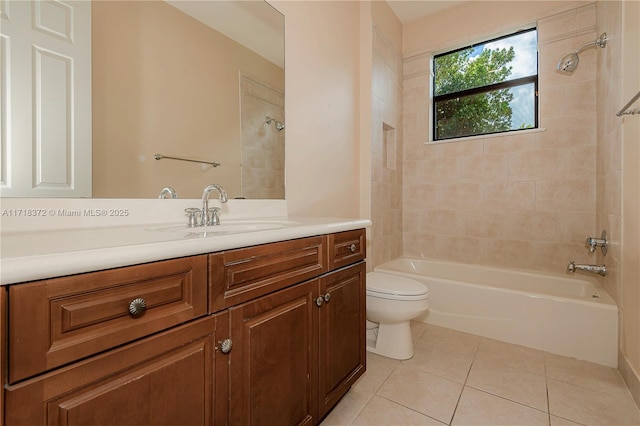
x=346 y=248
x=57 y=321
x=237 y=276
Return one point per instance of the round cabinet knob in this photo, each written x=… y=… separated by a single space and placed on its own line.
x=352 y=247
x=327 y=297
x=137 y=307
x=319 y=301
x=225 y=346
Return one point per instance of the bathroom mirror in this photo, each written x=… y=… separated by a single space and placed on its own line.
x=198 y=80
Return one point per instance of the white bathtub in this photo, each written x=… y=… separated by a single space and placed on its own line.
x=563 y=315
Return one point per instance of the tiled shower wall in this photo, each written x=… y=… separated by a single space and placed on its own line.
x=520 y=200
x=615 y=143
x=262 y=144
x=386 y=150
x=609 y=146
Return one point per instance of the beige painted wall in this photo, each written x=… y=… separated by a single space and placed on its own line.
x=519 y=200
x=141 y=107
x=322 y=98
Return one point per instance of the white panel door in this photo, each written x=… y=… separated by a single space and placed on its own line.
x=46 y=99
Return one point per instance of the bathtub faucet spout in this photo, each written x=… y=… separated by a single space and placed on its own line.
x=594 y=269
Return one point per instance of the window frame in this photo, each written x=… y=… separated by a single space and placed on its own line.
x=521 y=81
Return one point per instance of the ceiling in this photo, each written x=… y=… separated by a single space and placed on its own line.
x=254 y=24
x=408 y=10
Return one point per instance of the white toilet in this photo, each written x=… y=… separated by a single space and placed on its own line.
x=392 y=302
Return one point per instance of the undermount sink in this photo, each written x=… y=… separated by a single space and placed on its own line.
x=228 y=227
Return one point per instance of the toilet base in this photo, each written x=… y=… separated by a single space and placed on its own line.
x=392 y=341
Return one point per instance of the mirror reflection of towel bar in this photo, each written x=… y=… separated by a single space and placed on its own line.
x=625 y=111
x=160 y=157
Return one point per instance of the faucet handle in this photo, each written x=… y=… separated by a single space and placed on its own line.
x=192 y=214
x=571 y=267
x=601 y=242
x=214 y=216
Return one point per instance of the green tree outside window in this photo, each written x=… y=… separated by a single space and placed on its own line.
x=475 y=92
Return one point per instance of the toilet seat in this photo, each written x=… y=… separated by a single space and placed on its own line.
x=395 y=287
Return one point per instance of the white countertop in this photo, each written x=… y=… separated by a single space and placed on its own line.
x=39 y=254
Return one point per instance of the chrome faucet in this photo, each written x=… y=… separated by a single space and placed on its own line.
x=594 y=269
x=213 y=219
x=168 y=192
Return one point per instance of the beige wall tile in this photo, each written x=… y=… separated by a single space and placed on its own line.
x=439 y=221
x=485 y=168
x=387 y=176
x=580 y=163
x=512 y=193
x=579 y=226
x=561 y=195
x=437 y=170
x=564 y=133
x=507 y=196
x=536 y=165
x=516 y=254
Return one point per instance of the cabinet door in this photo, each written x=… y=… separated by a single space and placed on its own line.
x=342 y=358
x=272 y=360
x=166 y=379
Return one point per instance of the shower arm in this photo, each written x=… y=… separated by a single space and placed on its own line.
x=600 y=42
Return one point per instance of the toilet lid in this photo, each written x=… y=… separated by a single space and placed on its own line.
x=394 y=285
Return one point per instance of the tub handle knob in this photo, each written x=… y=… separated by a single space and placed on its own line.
x=572 y=266
x=601 y=242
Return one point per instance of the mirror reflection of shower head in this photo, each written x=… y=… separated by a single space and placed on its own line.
x=570 y=62
x=279 y=124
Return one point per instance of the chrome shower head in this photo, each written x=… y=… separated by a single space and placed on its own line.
x=279 y=124
x=570 y=62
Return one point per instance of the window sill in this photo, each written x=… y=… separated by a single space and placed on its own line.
x=488 y=136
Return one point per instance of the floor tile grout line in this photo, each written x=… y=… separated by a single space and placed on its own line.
x=506 y=399
x=549 y=368
x=546 y=388
x=412 y=409
x=360 y=410
x=464 y=385
x=375 y=393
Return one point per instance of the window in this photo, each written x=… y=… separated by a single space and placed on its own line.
x=486 y=88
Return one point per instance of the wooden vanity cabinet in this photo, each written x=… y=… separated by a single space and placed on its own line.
x=298 y=350
x=170 y=378
x=3 y=348
x=272 y=370
x=342 y=334
x=293 y=313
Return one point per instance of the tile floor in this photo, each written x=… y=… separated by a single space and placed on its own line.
x=457 y=378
